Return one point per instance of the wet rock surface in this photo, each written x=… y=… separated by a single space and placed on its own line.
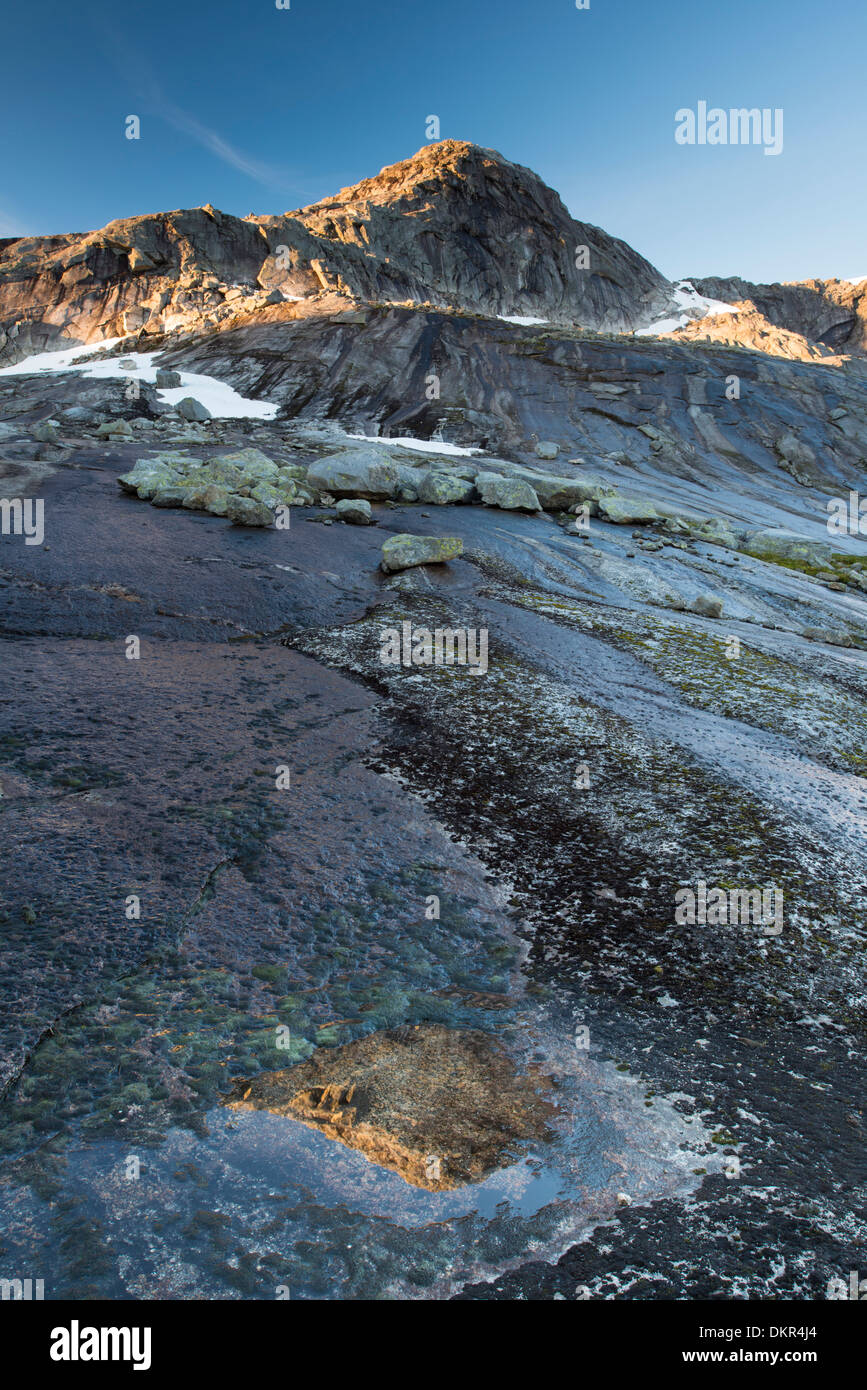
x=248 y=860
x=303 y=909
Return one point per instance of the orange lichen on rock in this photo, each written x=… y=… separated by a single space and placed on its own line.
x=441 y=1107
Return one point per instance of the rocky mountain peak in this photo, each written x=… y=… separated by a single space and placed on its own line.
x=446 y=168
x=459 y=225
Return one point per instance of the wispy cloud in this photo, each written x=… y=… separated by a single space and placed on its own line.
x=269 y=175
x=154 y=102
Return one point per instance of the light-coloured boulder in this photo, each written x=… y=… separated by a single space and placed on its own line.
x=510 y=494
x=561 y=494
x=357 y=473
x=253 y=465
x=223 y=473
x=216 y=500
x=799 y=460
x=625 y=511
x=403 y=551
x=47 y=431
x=191 y=409
x=556 y=493
x=834 y=637
x=715 y=530
x=794 y=450
x=267 y=494
x=206 y=498
x=786 y=545
x=707 y=606
x=354 y=510
x=172 y=496
x=440 y=489
x=246 y=511
x=149 y=483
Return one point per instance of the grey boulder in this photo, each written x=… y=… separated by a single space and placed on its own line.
x=707 y=606
x=510 y=494
x=440 y=489
x=245 y=511
x=625 y=511
x=403 y=551
x=356 y=473
x=355 y=511
x=191 y=409
x=172 y=496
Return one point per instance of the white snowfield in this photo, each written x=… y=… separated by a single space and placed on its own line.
x=222 y=400
x=424 y=446
x=692 y=306
x=525 y=320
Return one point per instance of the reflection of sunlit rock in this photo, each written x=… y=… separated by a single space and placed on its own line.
x=437 y=1106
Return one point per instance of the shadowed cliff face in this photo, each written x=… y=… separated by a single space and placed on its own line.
x=455 y=224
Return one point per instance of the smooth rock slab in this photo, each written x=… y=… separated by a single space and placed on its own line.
x=440 y=1107
x=403 y=551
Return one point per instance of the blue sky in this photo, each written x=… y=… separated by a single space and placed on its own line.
x=256 y=109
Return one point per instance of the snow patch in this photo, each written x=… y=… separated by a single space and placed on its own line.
x=61 y=361
x=423 y=446
x=692 y=306
x=525 y=320
x=222 y=400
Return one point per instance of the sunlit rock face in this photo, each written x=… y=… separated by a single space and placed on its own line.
x=829 y=315
x=441 y=1107
x=456 y=225
x=462 y=226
